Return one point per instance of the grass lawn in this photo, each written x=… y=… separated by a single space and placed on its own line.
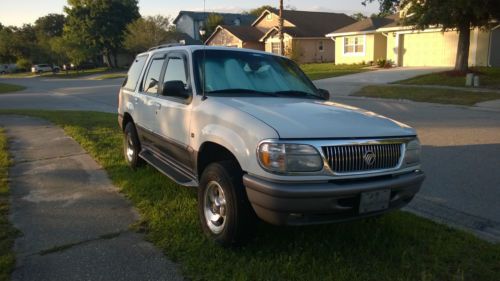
x=317 y=71
x=443 y=96
x=399 y=246
x=489 y=78
x=111 y=76
x=7 y=232
x=9 y=88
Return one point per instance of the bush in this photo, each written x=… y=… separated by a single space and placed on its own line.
x=383 y=63
x=23 y=64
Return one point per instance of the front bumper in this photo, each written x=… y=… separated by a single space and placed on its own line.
x=312 y=203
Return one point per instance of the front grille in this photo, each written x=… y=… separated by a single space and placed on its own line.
x=362 y=158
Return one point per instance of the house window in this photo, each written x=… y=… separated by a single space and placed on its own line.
x=354 y=45
x=320 y=46
x=275 y=48
x=269 y=16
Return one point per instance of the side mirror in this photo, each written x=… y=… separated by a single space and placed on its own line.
x=175 y=89
x=325 y=94
x=152 y=84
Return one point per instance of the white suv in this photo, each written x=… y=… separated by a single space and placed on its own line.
x=258 y=139
x=40 y=68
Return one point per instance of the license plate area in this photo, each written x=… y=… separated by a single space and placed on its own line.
x=374 y=201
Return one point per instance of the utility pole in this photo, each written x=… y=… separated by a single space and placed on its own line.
x=281 y=34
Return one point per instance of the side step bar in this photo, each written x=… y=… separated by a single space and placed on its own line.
x=169 y=169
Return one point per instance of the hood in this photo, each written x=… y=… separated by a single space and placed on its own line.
x=311 y=119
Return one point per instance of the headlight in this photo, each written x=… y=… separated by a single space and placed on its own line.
x=412 y=155
x=289 y=158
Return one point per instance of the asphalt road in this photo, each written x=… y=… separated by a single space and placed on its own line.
x=461 y=146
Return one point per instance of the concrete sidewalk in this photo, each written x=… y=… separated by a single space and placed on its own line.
x=74 y=222
x=349 y=84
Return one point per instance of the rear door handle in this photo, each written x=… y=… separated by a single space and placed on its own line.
x=157 y=105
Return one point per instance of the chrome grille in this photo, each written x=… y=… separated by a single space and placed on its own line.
x=362 y=158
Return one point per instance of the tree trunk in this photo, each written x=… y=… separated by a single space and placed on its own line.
x=115 y=59
x=462 y=62
x=108 y=58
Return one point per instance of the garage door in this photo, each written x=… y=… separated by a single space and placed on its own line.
x=430 y=49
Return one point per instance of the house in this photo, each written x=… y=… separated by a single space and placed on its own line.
x=304 y=34
x=386 y=38
x=189 y=22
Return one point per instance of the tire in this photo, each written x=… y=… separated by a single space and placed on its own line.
x=225 y=213
x=132 y=146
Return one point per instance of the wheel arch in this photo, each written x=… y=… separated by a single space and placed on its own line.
x=211 y=152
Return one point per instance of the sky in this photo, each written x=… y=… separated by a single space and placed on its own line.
x=19 y=12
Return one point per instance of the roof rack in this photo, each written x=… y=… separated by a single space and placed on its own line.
x=170 y=45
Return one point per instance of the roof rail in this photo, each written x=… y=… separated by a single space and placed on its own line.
x=170 y=45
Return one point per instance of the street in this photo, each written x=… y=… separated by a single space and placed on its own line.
x=461 y=146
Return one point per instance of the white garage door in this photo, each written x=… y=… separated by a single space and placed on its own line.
x=430 y=49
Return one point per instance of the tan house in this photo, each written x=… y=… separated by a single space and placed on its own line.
x=385 y=38
x=304 y=33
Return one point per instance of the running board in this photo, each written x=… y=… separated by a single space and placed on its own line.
x=169 y=169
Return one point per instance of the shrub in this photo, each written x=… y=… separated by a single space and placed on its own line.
x=383 y=63
x=23 y=64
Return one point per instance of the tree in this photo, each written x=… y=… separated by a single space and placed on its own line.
x=213 y=20
x=101 y=24
x=51 y=25
x=145 y=33
x=258 y=11
x=462 y=15
x=359 y=16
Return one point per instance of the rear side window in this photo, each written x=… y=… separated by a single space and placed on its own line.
x=134 y=73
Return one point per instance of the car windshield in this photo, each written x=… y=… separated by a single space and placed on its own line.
x=227 y=72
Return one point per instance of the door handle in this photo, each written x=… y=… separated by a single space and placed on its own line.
x=136 y=100
x=157 y=105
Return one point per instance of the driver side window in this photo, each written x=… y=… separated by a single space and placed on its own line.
x=151 y=81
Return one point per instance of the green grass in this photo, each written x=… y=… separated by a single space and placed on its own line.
x=489 y=78
x=111 y=76
x=432 y=95
x=317 y=71
x=9 y=88
x=399 y=246
x=7 y=232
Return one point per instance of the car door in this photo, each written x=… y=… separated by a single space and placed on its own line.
x=172 y=118
x=146 y=101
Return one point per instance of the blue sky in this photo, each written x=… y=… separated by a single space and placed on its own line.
x=18 y=12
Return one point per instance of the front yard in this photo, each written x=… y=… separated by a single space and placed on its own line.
x=399 y=246
x=317 y=71
x=9 y=88
x=424 y=94
x=489 y=78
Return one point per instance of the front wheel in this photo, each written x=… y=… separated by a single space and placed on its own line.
x=132 y=146
x=223 y=208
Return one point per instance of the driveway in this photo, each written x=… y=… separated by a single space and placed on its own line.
x=349 y=84
x=74 y=222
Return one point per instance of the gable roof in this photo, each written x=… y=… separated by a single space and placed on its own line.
x=244 y=33
x=229 y=18
x=369 y=25
x=311 y=24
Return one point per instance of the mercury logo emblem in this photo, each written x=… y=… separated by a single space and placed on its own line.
x=369 y=157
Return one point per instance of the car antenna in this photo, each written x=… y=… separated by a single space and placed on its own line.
x=204 y=71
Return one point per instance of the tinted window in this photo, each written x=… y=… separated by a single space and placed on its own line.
x=151 y=82
x=134 y=73
x=176 y=70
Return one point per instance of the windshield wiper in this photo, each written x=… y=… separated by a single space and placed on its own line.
x=297 y=93
x=241 y=91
